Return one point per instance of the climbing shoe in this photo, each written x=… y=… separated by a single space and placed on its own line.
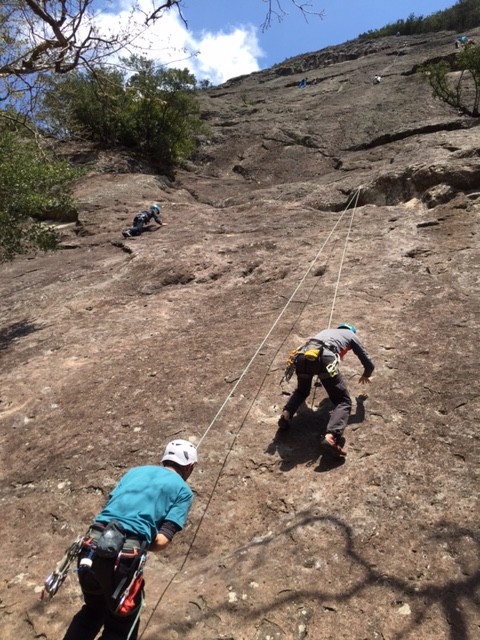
x=331 y=443
x=284 y=421
x=126 y=234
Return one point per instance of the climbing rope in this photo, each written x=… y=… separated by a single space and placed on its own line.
x=353 y=199
x=343 y=257
x=389 y=66
x=260 y=347
x=338 y=279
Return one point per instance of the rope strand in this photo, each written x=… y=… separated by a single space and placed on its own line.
x=260 y=347
x=343 y=259
x=354 y=198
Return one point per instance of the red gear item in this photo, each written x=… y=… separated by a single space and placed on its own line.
x=129 y=603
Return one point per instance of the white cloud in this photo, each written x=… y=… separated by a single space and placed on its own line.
x=208 y=55
x=226 y=55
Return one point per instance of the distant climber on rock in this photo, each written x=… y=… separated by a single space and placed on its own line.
x=320 y=356
x=142 y=219
x=461 y=42
x=377 y=79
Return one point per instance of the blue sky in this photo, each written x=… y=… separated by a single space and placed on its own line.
x=226 y=38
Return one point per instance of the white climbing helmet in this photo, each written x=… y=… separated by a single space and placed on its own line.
x=180 y=451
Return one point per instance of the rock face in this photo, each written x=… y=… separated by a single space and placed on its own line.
x=341 y=201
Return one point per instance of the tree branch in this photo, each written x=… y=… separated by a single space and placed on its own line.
x=157 y=11
x=275 y=9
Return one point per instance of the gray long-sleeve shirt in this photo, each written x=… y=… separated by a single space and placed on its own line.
x=341 y=341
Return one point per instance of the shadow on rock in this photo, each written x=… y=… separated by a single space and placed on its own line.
x=330 y=460
x=359 y=415
x=17 y=330
x=455 y=595
x=300 y=443
x=329 y=463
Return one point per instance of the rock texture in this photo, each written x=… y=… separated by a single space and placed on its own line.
x=342 y=201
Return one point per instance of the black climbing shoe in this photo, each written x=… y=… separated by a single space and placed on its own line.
x=283 y=421
x=330 y=443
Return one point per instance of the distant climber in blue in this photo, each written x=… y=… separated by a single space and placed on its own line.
x=461 y=41
x=142 y=219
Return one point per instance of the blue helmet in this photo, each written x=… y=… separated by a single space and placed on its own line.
x=155 y=208
x=345 y=325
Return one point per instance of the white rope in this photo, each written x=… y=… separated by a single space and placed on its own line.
x=390 y=65
x=137 y=617
x=353 y=198
x=343 y=258
x=312 y=263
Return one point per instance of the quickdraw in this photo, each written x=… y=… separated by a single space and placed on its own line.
x=290 y=368
x=55 y=580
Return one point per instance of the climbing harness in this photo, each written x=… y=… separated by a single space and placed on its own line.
x=311 y=350
x=107 y=542
x=132 y=581
x=55 y=580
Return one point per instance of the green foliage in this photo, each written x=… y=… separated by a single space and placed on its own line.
x=461 y=90
x=32 y=188
x=86 y=105
x=437 y=77
x=464 y=15
x=152 y=110
x=11 y=41
x=205 y=84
